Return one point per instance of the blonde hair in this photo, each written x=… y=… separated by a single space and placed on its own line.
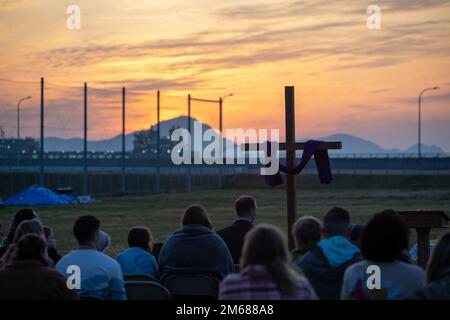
x=267 y=245
x=33 y=226
x=26 y=227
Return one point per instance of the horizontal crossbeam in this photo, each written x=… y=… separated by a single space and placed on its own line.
x=205 y=100
x=335 y=145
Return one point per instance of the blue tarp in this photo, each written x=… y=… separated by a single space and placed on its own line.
x=39 y=196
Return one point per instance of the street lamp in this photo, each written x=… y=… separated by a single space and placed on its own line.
x=18 y=115
x=221 y=100
x=419 y=154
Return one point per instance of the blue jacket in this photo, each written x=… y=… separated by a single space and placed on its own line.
x=136 y=260
x=325 y=265
x=195 y=249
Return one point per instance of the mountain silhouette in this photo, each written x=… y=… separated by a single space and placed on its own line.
x=351 y=144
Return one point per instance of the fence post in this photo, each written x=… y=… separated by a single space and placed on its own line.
x=41 y=151
x=189 y=178
x=221 y=164
x=122 y=180
x=85 y=173
x=158 y=143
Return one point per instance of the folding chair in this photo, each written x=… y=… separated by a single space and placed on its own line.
x=146 y=290
x=192 y=286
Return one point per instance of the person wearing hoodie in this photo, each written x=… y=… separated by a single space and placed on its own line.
x=325 y=265
x=195 y=248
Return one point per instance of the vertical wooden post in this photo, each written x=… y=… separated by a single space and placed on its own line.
x=41 y=151
x=85 y=173
x=290 y=157
x=423 y=241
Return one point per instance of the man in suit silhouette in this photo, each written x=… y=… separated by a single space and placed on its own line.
x=233 y=235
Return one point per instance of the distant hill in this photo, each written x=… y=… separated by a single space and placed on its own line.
x=424 y=149
x=351 y=144
x=76 y=144
x=115 y=143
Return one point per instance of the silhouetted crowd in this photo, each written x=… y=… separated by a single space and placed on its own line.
x=332 y=259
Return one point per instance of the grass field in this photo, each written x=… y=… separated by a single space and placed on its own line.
x=161 y=212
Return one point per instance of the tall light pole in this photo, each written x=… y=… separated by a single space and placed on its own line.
x=18 y=115
x=419 y=154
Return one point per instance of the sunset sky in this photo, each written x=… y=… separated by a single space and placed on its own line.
x=348 y=79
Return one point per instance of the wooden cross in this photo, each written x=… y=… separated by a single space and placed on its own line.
x=291 y=146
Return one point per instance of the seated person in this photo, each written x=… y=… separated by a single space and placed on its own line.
x=382 y=242
x=233 y=235
x=412 y=253
x=324 y=266
x=267 y=273
x=32 y=226
x=138 y=259
x=51 y=243
x=25 y=215
x=306 y=232
x=195 y=248
x=438 y=273
x=21 y=215
x=28 y=277
x=101 y=275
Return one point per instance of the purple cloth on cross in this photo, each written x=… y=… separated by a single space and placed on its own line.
x=311 y=148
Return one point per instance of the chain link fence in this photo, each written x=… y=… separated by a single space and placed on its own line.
x=102 y=140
